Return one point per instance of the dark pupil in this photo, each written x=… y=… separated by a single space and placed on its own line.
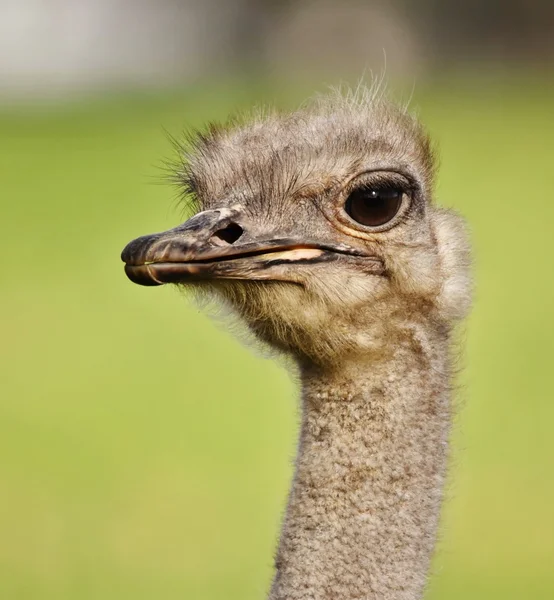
x=373 y=206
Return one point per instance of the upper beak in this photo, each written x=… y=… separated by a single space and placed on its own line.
x=213 y=244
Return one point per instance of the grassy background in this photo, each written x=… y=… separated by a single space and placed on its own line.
x=146 y=454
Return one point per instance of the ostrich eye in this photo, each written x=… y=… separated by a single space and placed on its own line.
x=373 y=206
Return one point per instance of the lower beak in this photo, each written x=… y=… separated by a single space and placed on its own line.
x=212 y=245
x=254 y=263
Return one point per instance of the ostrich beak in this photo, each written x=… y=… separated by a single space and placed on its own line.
x=213 y=245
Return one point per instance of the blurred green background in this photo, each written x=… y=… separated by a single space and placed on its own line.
x=144 y=453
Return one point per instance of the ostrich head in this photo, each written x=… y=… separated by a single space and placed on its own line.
x=316 y=227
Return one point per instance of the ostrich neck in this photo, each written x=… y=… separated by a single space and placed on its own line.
x=364 y=506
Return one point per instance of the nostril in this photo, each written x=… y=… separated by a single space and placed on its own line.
x=229 y=234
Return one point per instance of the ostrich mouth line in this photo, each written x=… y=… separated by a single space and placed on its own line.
x=253 y=262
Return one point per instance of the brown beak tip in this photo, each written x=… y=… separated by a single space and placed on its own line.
x=141 y=275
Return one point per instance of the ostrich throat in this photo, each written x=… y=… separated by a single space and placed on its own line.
x=364 y=506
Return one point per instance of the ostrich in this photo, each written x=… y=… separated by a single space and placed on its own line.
x=318 y=229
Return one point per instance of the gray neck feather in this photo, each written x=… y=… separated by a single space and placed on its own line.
x=363 y=511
